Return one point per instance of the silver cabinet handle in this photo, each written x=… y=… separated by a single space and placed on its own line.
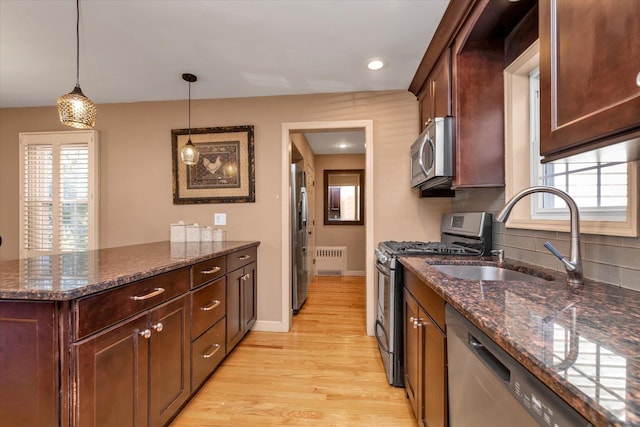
x=211 y=270
x=213 y=304
x=158 y=326
x=638 y=79
x=243 y=257
x=211 y=350
x=154 y=293
x=145 y=334
x=244 y=277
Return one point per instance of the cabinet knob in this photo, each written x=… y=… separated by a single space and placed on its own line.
x=158 y=327
x=244 y=277
x=145 y=334
x=638 y=79
x=416 y=321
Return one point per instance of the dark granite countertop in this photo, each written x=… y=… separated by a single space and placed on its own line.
x=584 y=344
x=76 y=274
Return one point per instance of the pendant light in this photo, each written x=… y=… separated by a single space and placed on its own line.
x=75 y=109
x=189 y=154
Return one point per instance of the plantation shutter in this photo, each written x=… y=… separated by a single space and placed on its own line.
x=58 y=192
x=38 y=198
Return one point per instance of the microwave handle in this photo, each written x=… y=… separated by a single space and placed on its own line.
x=421 y=155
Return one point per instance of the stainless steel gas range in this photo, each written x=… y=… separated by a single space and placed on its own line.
x=467 y=234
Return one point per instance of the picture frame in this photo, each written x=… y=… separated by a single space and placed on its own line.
x=225 y=172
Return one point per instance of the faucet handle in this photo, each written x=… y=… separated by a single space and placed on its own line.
x=568 y=265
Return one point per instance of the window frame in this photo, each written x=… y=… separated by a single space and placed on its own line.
x=518 y=151
x=59 y=139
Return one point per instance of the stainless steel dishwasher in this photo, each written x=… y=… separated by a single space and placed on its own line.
x=489 y=388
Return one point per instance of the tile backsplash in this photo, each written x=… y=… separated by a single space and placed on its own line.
x=608 y=259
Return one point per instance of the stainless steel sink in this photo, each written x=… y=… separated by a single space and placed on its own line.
x=485 y=272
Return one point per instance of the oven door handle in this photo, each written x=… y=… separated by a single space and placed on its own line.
x=381 y=344
x=382 y=269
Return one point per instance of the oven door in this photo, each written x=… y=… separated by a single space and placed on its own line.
x=384 y=318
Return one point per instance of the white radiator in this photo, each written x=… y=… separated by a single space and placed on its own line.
x=331 y=260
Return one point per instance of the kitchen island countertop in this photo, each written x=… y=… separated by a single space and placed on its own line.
x=584 y=344
x=76 y=274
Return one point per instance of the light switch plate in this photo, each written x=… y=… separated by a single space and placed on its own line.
x=220 y=219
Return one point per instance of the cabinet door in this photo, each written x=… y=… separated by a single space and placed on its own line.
x=29 y=392
x=249 y=303
x=412 y=366
x=169 y=360
x=111 y=377
x=434 y=392
x=589 y=70
x=436 y=101
x=233 y=308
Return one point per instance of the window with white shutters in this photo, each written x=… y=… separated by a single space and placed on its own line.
x=58 y=192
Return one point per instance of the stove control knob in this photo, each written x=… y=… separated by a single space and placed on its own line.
x=382 y=258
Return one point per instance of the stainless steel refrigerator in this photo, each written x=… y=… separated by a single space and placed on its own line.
x=299 y=237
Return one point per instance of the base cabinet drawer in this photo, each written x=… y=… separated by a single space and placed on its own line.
x=208 y=306
x=206 y=353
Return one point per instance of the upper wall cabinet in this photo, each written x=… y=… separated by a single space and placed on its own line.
x=435 y=98
x=589 y=76
x=461 y=75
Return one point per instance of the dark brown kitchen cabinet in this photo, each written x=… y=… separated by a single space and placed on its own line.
x=466 y=82
x=241 y=303
x=208 y=346
x=127 y=356
x=111 y=376
x=29 y=392
x=435 y=99
x=169 y=360
x=425 y=353
x=589 y=74
x=136 y=369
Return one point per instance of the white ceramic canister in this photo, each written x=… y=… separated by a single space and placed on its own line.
x=206 y=234
x=193 y=232
x=178 y=232
x=219 y=235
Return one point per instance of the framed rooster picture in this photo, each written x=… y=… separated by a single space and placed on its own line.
x=225 y=169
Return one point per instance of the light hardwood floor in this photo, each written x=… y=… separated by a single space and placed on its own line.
x=324 y=372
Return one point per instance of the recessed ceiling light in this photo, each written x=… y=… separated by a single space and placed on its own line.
x=375 y=64
x=343 y=145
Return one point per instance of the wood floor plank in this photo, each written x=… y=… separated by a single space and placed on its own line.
x=324 y=372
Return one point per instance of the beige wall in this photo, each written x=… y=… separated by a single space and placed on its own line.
x=351 y=236
x=136 y=182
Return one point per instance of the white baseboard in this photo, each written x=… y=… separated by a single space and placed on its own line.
x=354 y=273
x=269 y=326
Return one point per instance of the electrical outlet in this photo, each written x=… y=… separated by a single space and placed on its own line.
x=220 y=219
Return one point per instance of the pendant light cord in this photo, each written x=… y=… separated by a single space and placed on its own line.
x=189 y=111
x=77 y=42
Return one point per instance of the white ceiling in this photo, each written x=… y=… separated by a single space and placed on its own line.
x=336 y=142
x=136 y=50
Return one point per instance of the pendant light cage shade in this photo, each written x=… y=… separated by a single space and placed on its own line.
x=76 y=110
x=189 y=154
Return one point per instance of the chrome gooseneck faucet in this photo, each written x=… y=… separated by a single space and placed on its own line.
x=573 y=266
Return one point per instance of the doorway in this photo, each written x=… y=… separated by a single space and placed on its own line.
x=301 y=127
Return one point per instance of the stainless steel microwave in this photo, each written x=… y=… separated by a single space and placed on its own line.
x=432 y=155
